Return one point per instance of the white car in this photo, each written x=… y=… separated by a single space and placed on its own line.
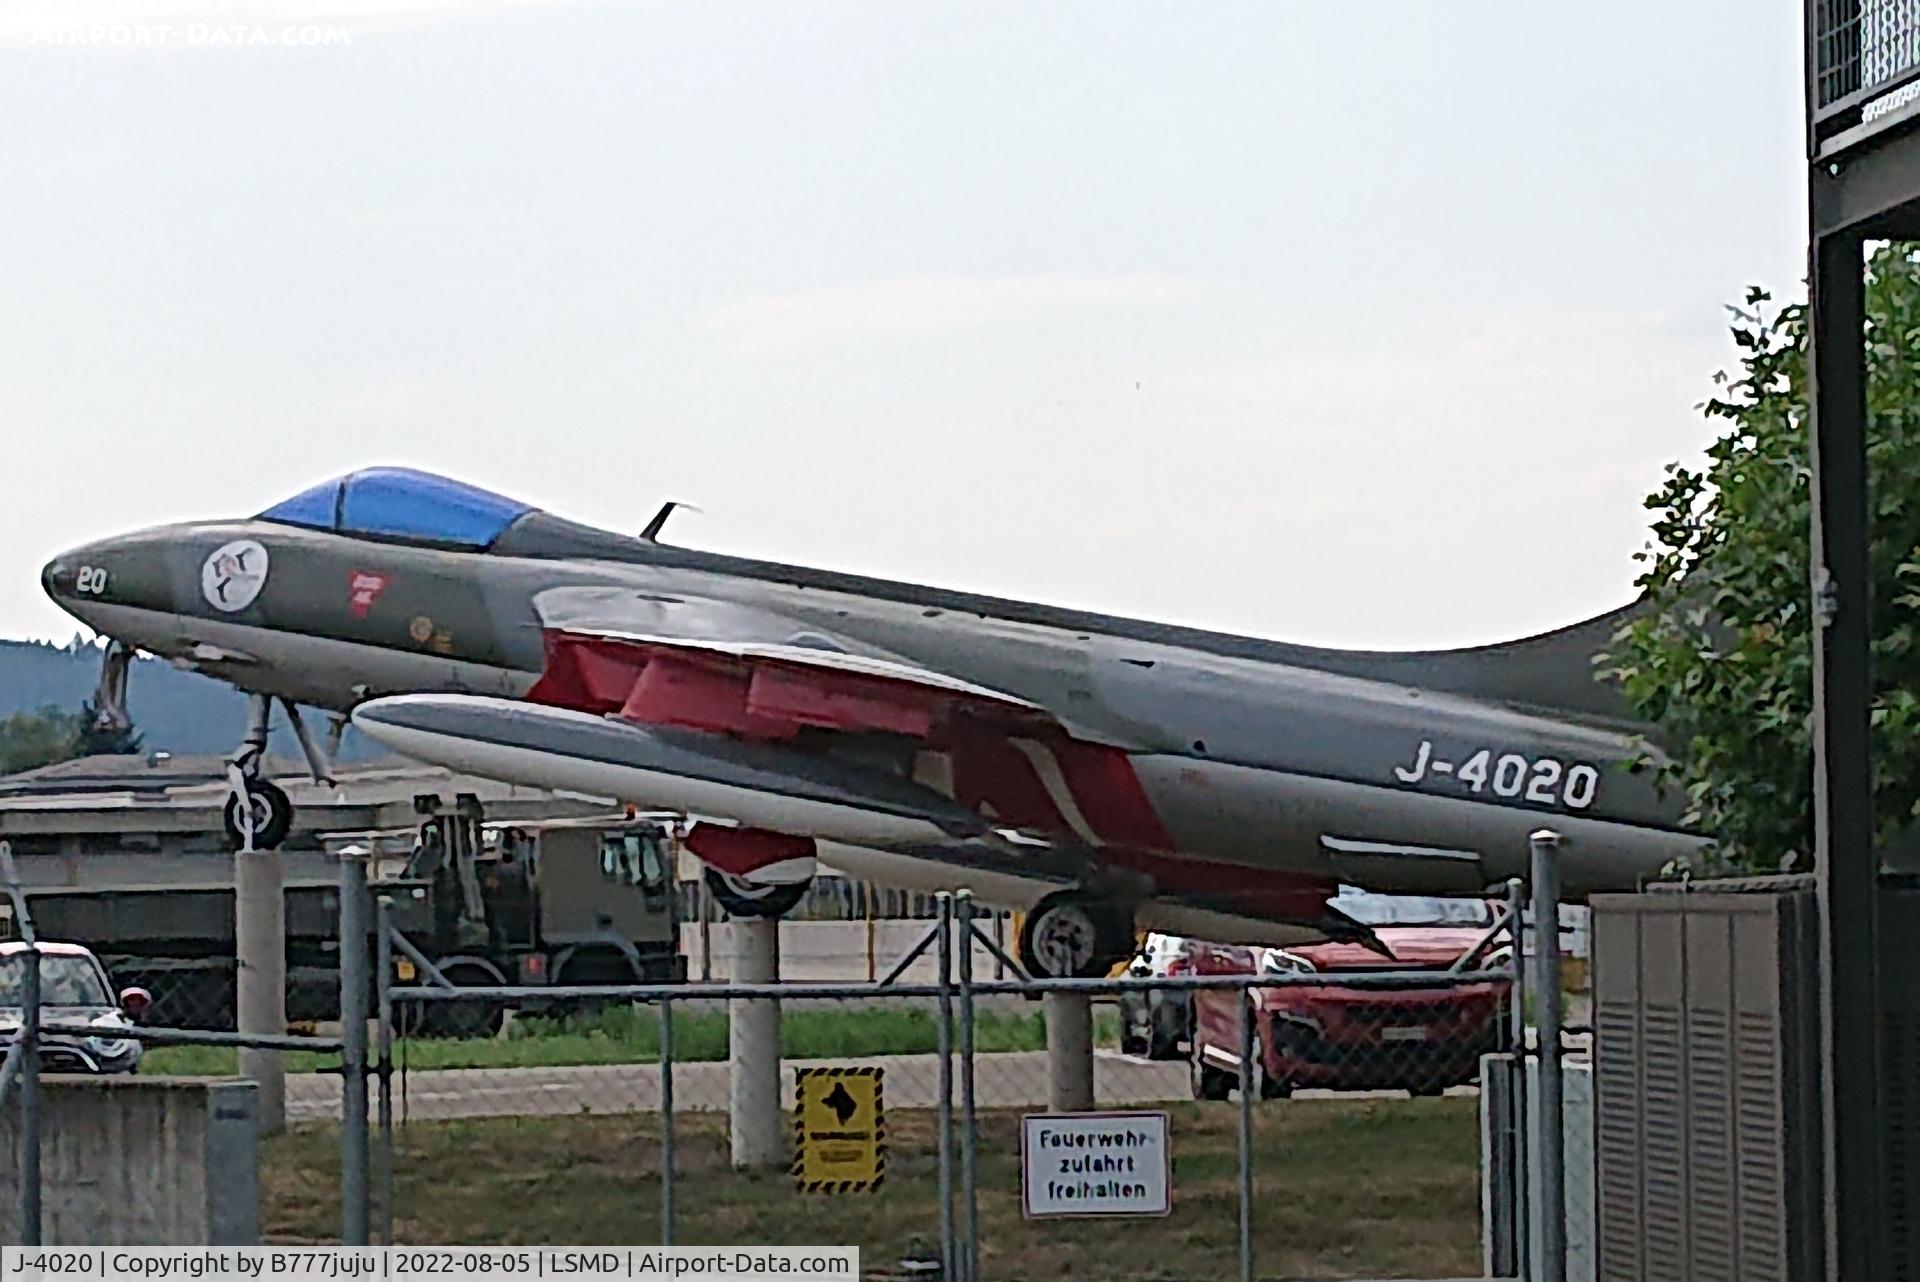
x=74 y=991
x=1156 y=1022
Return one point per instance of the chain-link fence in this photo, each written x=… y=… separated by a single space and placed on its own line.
x=1309 y=1125
x=1255 y=1117
x=95 y=1151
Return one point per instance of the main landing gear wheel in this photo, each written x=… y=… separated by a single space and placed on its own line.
x=272 y=815
x=742 y=898
x=1071 y=934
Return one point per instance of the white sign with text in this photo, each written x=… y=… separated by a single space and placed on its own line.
x=1095 y=1164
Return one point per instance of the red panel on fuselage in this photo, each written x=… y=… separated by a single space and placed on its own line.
x=832 y=701
x=697 y=693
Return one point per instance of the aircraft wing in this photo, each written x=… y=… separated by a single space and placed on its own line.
x=713 y=665
x=779 y=729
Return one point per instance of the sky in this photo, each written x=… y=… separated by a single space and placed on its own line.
x=1363 y=325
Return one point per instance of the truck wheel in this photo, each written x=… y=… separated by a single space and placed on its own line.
x=272 y=816
x=742 y=898
x=475 y=1018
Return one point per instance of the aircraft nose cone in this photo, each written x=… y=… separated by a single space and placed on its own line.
x=57 y=577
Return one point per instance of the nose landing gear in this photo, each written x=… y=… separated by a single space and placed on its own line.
x=258 y=814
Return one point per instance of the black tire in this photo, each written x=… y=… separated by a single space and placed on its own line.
x=1432 y=1090
x=463 y=1019
x=1071 y=934
x=272 y=816
x=584 y=967
x=1205 y=1081
x=1168 y=1029
x=746 y=899
x=1270 y=1087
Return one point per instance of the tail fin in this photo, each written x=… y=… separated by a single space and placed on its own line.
x=1553 y=671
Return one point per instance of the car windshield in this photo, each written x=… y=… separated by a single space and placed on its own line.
x=1412 y=910
x=398 y=503
x=64 y=981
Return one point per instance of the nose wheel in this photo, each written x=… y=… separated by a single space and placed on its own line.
x=258 y=815
x=1075 y=934
x=261 y=812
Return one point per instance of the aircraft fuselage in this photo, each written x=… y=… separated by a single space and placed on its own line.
x=1416 y=772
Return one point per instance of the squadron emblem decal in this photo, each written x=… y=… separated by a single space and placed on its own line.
x=232 y=576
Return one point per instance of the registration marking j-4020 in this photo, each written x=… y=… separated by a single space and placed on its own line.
x=1545 y=781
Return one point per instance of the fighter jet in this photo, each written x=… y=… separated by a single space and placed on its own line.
x=1104 y=774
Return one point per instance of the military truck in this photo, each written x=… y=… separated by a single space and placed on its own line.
x=573 y=901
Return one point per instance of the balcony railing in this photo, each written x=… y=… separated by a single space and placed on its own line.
x=1865 y=63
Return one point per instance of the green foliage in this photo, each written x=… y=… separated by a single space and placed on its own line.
x=1724 y=664
x=32 y=739
x=627 y=1035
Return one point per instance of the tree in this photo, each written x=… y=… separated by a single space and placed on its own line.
x=1723 y=661
x=32 y=739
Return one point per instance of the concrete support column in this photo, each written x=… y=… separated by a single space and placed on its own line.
x=1069 y=1052
x=260 y=955
x=753 y=1043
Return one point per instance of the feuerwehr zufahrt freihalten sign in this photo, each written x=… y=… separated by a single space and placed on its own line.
x=1095 y=1164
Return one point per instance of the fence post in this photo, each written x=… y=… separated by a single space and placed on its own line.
x=355 y=935
x=1247 y=1093
x=705 y=898
x=30 y=1223
x=969 y=1121
x=948 y=1254
x=383 y=988
x=1548 y=1205
x=1517 y=1092
x=666 y=1121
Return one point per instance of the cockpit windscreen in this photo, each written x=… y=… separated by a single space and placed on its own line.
x=402 y=505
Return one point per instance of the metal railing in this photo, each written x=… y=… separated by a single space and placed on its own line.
x=1863 y=61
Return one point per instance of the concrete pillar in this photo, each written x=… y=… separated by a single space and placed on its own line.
x=260 y=954
x=1069 y=1052
x=753 y=1043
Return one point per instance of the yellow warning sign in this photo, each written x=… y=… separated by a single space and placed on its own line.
x=839 y=1130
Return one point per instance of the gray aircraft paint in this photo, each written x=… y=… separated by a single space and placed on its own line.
x=1251 y=752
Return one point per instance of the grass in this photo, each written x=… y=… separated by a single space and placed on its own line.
x=1344 y=1189
x=631 y=1036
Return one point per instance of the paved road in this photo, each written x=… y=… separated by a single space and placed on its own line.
x=1008 y=1080
x=1016 y=1079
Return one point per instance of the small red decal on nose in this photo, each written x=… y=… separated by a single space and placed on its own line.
x=363 y=588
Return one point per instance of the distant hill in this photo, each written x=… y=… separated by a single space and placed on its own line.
x=174 y=711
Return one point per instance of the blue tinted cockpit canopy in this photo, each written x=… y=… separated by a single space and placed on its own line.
x=403 y=505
